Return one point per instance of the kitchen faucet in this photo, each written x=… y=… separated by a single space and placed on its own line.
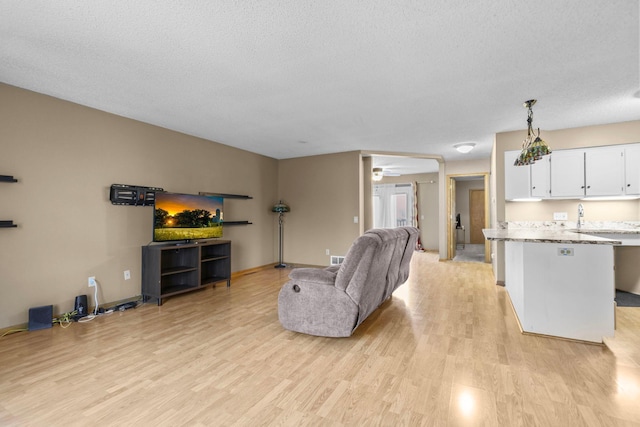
x=580 y=214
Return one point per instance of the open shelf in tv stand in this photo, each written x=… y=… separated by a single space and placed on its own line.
x=173 y=269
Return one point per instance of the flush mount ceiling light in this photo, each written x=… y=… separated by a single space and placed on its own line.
x=532 y=149
x=464 y=147
x=377 y=174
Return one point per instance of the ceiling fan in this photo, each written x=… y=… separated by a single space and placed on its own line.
x=378 y=173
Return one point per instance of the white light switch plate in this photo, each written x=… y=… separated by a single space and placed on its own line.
x=560 y=216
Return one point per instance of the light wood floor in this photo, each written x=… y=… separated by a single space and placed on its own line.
x=445 y=350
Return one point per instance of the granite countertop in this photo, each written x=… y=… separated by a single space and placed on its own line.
x=587 y=227
x=607 y=231
x=547 y=236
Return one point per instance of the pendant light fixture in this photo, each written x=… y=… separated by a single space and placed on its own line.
x=533 y=147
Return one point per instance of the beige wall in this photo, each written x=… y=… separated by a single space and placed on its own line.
x=367 y=195
x=468 y=167
x=593 y=210
x=429 y=202
x=66 y=157
x=589 y=136
x=324 y=193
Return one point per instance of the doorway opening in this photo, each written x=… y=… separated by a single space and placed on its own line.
x=407 y=193
x=467 y=215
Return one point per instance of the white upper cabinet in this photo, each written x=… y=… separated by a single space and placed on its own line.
x=567 y=174
x=604 y=171
x=516 y=178
x=541 y=178
x=632 y=169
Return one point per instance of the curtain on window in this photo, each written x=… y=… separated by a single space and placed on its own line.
x=393 y=205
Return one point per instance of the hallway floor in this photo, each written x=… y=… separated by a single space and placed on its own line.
x=470 y=253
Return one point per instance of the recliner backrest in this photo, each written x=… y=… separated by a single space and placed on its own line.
x=357 y=261
x=362 y=275
x=396 y=237
x=410 y=247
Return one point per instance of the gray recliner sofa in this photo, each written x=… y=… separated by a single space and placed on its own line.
x=334 y=301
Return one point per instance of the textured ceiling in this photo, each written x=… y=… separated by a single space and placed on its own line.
x=296 y=78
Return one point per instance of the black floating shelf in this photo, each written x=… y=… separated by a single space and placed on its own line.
x=236 y=223
x=7 y=178
x=229 y=196
x=7 y=224
x=225 y=196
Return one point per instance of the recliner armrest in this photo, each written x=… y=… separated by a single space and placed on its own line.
x=333 y=268
x=313 y=275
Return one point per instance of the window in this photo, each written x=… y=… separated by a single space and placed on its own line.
x=393 y=205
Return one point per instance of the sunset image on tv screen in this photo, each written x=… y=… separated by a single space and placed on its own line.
x=186 y=217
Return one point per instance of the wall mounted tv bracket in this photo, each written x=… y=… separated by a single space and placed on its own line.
x=132 y=195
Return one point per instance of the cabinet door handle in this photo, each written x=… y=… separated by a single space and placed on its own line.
x=628 y=185
x=588 y=186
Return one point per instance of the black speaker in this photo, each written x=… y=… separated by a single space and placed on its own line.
x=40 y=317
x=81 y=306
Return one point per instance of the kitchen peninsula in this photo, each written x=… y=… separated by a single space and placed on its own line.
x=561 y=283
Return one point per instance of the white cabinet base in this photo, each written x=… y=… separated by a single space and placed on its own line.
x=562 y=290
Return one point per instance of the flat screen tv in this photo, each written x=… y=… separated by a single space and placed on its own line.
x=186 y=217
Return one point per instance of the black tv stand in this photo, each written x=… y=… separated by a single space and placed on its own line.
x=176 y=268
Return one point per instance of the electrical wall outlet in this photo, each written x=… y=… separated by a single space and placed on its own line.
x=127 y=275
x=328 y=252
x=92 y=281
x=560 y=216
